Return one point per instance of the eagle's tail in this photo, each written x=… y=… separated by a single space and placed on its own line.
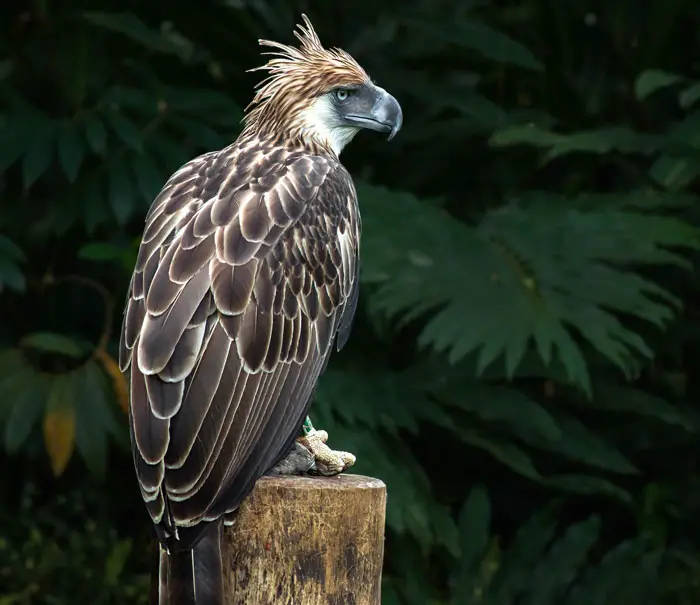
x=193 y=577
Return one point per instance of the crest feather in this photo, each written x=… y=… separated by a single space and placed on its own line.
x=297 y=76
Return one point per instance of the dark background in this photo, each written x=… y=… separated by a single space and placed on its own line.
x=523 y=369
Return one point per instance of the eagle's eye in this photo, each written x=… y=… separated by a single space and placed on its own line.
x=342 y=94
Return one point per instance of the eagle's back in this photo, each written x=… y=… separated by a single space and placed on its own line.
x=246 y=273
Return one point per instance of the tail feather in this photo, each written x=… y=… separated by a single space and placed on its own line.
x=193 y=577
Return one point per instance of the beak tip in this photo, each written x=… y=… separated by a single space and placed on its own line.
x=397 y=126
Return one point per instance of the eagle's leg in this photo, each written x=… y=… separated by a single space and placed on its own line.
x=298 y=461
x=328 y=462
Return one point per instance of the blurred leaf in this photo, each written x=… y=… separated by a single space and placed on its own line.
x=477 y=36
x=10 y=250
x=625 y=571
x=37 y=158
x=140 y=101
x=6 y=68
x=171 y=155
x=59 y=422
x=70 y=150
x=122 y=198
x=582 y=444
x=101 y=251
x=474 y=527
x=24 y=390
x=651 y=80
x=10 y=272
x=474 y=530
x=555 y=572
x=501 y=404
x=202 y=100
x=690 y=96
x=495 y=45
x=505 y=451
x=50 y=342
x=674 y=173
x=604 y=140
x=149 y=178
x=95 y=208
x=636 y=401
x=11 y=275
x=95 y=133
x=589 y=485
x=94 y=418
x=125 y=129
x=132 y=27
x=116 y=561
x=518 y=562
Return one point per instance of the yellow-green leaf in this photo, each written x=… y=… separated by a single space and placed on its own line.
x=59 y=423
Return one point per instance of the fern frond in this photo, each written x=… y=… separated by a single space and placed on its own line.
x=544 y=274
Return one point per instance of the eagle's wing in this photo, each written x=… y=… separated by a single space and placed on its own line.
x=246 y=272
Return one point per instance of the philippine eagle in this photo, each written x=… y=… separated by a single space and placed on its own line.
x=247 y=275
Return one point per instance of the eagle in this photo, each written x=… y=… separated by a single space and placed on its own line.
x=246 y=278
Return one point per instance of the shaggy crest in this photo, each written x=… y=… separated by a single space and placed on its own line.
x=297 y=77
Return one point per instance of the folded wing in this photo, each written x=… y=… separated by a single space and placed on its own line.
x=246 y=272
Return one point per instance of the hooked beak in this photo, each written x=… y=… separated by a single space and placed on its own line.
x=383 y=114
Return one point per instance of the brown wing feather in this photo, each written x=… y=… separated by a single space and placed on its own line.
x=246 y=270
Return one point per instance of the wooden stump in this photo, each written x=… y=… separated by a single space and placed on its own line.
x=307 y=541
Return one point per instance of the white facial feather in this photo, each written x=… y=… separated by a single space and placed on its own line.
x=320 y=122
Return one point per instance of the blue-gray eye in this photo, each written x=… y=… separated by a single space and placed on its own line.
x=342 y=94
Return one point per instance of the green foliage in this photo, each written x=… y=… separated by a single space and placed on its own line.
x=67 y=552
x=527 y=331
x=544 y=564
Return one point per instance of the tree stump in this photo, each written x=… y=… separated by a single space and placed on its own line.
x=307 y=541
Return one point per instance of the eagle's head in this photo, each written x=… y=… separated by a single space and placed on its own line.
x=320 y=95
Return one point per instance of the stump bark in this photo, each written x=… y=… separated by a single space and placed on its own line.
x=307 y=541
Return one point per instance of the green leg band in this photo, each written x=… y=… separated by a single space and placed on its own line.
x=307 y=427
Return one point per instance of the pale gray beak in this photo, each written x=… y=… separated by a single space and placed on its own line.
x=373 y=108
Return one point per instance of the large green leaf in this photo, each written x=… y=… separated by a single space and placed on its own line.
x=39 y=153
x=651 y=80
x=24 y=391
x=675 y=173
x=121 y=194
x=517 y=562
x=503 y=450
x=71 y=150
x=478 y=36
x=580 y=443
x=604 y=140
x=94 y=417
x=149 y=178
x=10 y=257
x=589 y=485
x=508 y=406
x=627 y=573
x=529 y=286
x=52 y=342
x=555 y=572
x=95 y=133
x=132 y=27
x=125 y=129
x=690 y=96
x=475 y=533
